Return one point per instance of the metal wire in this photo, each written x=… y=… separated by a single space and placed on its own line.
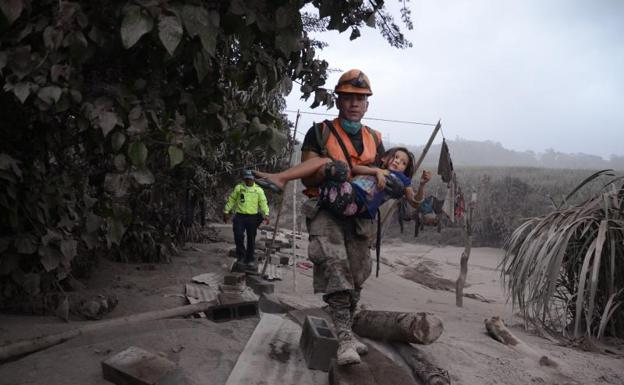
x=367 y=118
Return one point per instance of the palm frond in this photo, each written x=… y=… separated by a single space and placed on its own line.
x=567 y=267
x=608 y=172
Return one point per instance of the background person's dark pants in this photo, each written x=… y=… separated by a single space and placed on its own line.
x=245 y=223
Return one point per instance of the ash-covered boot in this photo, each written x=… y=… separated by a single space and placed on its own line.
x=347 y=353
x=360 y=347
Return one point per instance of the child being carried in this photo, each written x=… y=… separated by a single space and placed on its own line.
x=365 y=192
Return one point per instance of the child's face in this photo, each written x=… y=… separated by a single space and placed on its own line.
x=398 y=162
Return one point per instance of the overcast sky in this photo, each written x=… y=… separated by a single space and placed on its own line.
x=530 y=74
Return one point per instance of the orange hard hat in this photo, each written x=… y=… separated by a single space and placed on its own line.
x=353 y=82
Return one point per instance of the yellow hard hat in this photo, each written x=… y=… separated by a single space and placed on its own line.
x=353 y=82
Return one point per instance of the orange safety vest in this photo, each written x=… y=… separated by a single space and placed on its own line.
x=334 y=151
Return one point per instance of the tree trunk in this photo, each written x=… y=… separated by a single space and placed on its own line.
x=422 y=368
x=21 y=348
x=420 y=328
x=463 y=262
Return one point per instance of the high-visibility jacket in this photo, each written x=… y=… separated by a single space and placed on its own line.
x=335 y=152
x=247 y=200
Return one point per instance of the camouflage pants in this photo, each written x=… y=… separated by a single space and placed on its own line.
x=340 y=250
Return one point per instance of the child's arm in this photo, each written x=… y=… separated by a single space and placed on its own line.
x=379 y=173
x=416 y=198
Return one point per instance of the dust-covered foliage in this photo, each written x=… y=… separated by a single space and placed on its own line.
x=565 y=269
x=122 y=121
x=506 y=196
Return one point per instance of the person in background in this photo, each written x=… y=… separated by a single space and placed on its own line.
x=249 y=205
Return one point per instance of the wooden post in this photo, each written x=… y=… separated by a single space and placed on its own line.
x=463 y=262
x=421 y=328
x=294 y=226
x=427 y=146
x=267 y=255
x=21 y=348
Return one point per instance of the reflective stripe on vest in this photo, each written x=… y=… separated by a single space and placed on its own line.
x=368 y=155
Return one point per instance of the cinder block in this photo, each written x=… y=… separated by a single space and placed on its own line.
x=246 y=310
x=234 y=279
x=232 y=298
x=318 y=343
x=259 y=285
x=135 y=366
x=221 y=313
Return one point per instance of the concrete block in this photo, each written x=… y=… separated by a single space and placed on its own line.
x=237 y=305
x=221 y=313
x=234 y=279
x=232 y=298
x=284 y=260
x=318 y=343
x=135 y=366
x=246 y=310
x=259 y=285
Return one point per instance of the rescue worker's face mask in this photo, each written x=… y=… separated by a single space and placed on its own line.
x=350 y=127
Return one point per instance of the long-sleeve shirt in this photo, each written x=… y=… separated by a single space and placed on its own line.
x=247 y=200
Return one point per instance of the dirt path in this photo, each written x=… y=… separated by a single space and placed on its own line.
x=208 y=351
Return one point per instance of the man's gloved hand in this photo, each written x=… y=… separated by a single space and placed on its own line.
x=394 y=187
x=266 y=220
x=226 y=217
x=337 y=171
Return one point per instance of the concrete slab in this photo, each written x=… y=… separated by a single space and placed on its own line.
x=272 y=356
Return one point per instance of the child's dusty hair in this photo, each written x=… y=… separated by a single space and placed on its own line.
x=411 y=162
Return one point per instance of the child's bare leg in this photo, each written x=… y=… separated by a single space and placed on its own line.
x=309 y=168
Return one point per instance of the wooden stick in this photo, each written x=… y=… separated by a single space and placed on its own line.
x=20 y=348
x=496 y=329
x=427 y=146
x=267 y=254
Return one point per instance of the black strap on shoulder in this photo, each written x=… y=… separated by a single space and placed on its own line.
x=340 y=142
x=378 y=242
x=321 y=138
x=374 y=134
